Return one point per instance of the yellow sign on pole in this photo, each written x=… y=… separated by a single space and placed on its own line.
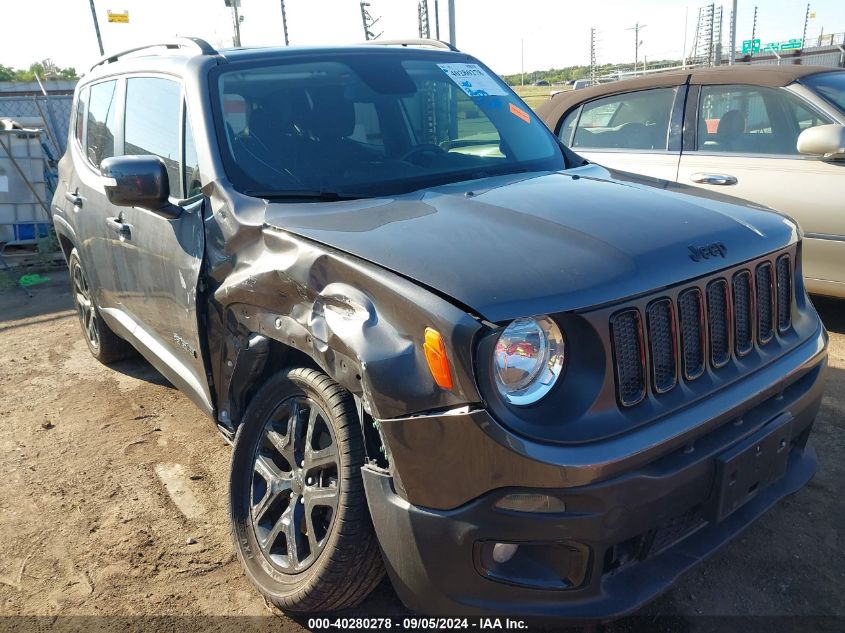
x=118 y=16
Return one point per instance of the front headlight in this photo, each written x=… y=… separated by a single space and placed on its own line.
x=528 y=359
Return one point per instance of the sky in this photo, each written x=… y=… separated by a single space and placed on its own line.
x=502 y=33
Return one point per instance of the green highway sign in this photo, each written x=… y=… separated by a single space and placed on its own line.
x=750 y=46
x=789 y=45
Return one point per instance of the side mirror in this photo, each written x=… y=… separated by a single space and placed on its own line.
x=827 y=141
x=139 y=181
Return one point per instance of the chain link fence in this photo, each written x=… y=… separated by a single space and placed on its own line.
x=52 y=114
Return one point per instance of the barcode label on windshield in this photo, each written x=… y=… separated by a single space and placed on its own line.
x=473 y=80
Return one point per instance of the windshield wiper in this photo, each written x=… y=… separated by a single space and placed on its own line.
x=301 y=194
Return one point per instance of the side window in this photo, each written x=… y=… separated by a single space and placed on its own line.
x=637 y=120
x=193 y=181
x=367 y=127
x=752 y=120
x=101 y=122
x=568 y=126
x=234 y=113
x=800 y=115
x=152 y=123
x=79 y=124
x=444 y=115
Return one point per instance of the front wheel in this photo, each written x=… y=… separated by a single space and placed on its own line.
x=299 y=515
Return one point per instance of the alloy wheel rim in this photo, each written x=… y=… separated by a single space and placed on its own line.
x=295 y=485
x=85 y=306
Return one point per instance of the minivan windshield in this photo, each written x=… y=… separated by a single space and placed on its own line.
x=375 y=123
x=830 y=85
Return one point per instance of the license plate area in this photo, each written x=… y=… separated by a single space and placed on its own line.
x=744 y=470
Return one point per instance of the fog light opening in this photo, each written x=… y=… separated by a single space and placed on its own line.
x=503 y=552
x=531 y=502
x=543 y=565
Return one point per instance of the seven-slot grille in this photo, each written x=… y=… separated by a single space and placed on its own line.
x=706 y=325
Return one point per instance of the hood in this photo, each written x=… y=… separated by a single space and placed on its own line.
x=522 y=245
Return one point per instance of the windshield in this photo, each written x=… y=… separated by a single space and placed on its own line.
x=373 y=123
x=830 y=85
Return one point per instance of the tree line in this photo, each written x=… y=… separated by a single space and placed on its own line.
x=45 y=69
x=571 y=73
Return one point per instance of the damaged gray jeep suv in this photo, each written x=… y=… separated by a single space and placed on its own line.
x=442 y=344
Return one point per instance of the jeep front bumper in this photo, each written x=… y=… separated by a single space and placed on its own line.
x=638 y=511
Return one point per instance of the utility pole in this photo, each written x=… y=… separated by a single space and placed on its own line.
x=237 y=24
x=806 y=21
x=285 y=23
x=97 y=28
x=522 y=60
x=686 y=30
x=368 y=21
x=436 y=20
x=593 y=69
x=235 y=4
x=732 y=56
x=636 y=29
x=422 y=19
x=452 y=22
x=753 y=31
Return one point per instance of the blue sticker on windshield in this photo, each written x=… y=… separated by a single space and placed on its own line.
x=473 y=80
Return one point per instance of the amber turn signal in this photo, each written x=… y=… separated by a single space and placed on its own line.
x=435 y=356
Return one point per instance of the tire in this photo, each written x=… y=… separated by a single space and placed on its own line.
x=280 y=492
x=106 y=346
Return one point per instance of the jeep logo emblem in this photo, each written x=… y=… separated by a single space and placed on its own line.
x=716 y=249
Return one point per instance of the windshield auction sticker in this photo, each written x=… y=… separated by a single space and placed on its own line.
x=473 y=80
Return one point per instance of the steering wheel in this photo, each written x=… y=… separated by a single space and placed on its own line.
x=422 y=149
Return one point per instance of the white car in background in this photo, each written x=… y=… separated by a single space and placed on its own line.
x=774 y=135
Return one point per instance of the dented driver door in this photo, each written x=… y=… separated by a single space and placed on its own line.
x=161 y=257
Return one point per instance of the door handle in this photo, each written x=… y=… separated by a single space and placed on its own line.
x=714 y=179
x=75 y=198
x=123 y=230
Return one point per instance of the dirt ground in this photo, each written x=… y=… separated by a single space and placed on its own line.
x=113 y=496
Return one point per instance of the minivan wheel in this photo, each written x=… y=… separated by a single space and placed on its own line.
x=299 y=515
x=105 y=345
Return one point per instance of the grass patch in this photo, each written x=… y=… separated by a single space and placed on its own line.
x=535 y=95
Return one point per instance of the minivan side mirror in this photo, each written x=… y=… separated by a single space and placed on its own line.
x=827 y=141
x=139 y=181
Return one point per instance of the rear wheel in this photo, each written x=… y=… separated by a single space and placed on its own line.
x=105 y=345
x=300 y=521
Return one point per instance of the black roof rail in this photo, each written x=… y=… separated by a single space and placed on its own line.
x=198 y=44
x=420 y=41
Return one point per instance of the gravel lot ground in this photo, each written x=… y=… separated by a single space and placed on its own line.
x=107 y=474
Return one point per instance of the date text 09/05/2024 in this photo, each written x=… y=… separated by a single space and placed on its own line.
x=412 y=624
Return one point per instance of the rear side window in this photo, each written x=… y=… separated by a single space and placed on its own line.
x=101 y=122
x=568 y=126
x=752 y=120
x=152 y=125
x=636 y=120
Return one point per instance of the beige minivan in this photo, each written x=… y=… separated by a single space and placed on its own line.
x=774 y=135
